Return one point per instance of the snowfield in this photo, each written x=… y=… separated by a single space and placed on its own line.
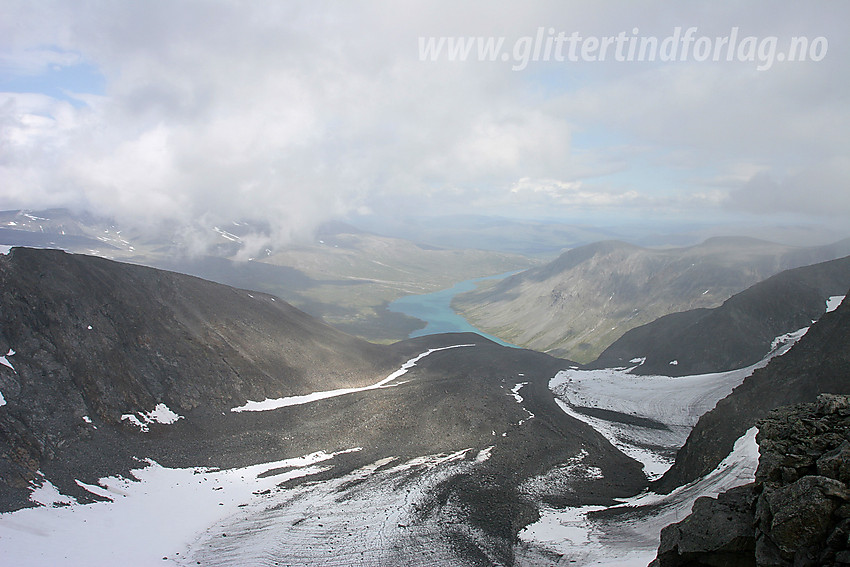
x=376 y=515
x=629 y=538
x=650 y=417
x=149 y=521
x=5 y=361
x=833 y=302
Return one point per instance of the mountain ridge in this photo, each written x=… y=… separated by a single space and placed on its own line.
x=736 y=334
x=580 y=303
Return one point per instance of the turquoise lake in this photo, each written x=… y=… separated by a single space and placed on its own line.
x=436 y=310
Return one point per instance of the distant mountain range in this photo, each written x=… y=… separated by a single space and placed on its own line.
x=579 y=304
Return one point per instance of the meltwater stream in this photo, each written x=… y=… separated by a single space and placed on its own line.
x=436 y=310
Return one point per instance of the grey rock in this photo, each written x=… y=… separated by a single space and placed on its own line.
x=718 y=532
x=836 y=463
x=802 y=512
x=831 y=403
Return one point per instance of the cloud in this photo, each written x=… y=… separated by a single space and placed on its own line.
x=820 y=190
x=291 y=113
x=572 y=194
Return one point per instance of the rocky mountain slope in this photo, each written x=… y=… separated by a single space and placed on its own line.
x=818 y=363
x=95 y=338
x=580 y=303
x=797 y=512
x=108 y=365
x=736 y=334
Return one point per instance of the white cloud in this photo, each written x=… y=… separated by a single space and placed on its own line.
x=572 y=194
x=294 y=112
x=820 y=190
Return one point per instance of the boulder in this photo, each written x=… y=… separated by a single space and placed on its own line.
x=718 y=532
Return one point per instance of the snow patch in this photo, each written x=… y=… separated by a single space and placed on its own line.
x=227 y=235
x=160 y=414
x=135 y=421
x=46 y=494
x=273 y=404
x=484 y=454
x=674 y=363
x=2 y=400
x=515 y=393
x=5 y=361
x=833 y=302
x=788 y=339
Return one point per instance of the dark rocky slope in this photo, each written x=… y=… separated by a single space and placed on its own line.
x=203 y=348
x=797 y=513
x=101 y=339
x=736 y=334
x=818 y=363
x=583 y=301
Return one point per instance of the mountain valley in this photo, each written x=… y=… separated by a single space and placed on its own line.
x=276 y=438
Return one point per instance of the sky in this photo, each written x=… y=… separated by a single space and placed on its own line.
x=294 y=113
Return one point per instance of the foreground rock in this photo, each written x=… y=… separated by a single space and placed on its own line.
x=796 y=513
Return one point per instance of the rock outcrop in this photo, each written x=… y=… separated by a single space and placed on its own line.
x=796 y=513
